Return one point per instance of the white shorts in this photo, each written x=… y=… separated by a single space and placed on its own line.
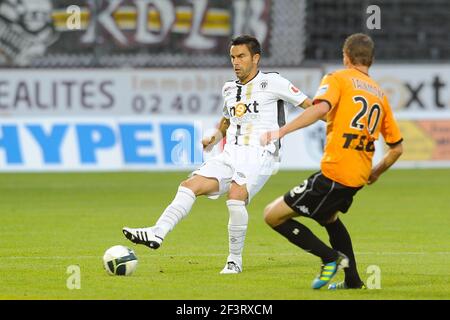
x=249 y=165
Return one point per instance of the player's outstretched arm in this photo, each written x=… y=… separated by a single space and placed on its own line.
x=388 y=160
x=210 y=142
x=306 y=104
x=306 y=118
x=309 y=103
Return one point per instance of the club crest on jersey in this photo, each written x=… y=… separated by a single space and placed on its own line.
x=263 y=84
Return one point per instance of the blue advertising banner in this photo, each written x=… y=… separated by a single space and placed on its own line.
x=61 y=144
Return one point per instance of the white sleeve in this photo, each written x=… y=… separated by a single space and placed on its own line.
x=286 y=91
x=225 y=111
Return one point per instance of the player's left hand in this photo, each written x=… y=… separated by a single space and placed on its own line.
x=268 y=137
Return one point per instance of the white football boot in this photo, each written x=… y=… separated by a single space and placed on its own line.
x=231 y=267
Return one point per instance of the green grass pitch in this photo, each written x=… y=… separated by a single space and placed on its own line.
x=51 y=221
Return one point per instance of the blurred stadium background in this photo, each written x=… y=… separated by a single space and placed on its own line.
x=135 y=81
x=136 y=84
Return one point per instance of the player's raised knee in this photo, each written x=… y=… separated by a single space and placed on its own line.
x=269 y=217
x=200 y=185
x=278 y=212
x=186 y=183
x=190 y=184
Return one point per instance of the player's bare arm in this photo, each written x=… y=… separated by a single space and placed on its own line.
x=388 y=160
x=210 y=142
x=309 y=103
x=308 y=117
x=306 y=104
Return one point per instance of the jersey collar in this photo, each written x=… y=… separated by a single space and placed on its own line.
x=238 y=82
x=361 y=71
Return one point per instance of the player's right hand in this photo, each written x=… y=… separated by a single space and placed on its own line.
x=208 y=143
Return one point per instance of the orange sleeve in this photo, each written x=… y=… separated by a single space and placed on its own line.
x=389 y=127
x=329 y=90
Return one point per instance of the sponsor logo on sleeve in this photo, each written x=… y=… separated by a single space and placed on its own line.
x=321 y=90
x=294 y=89
x=227 y=91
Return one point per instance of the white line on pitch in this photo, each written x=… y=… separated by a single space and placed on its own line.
x=224 y=254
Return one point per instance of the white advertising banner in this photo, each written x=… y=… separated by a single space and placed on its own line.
x=413 y=89
x=147 y=92
x=67 y=120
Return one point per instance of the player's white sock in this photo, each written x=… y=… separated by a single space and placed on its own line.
x=177 y=210
x=237 y=228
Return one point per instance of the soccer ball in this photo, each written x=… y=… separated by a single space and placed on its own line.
x=120 y=261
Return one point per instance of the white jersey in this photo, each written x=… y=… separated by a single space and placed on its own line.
x=257 y=107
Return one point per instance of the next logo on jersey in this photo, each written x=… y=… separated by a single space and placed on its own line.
x=242 y=108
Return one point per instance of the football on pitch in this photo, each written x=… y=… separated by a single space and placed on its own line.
x=120 y=261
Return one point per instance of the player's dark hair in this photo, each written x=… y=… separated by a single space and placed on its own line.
x=359 y=48
x=251 y=42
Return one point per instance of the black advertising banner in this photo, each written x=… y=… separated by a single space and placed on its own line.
x=145 y=33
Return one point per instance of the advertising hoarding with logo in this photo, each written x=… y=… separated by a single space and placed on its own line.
x=420 y=98
x=191 y=95
x=143 y=92
x=128 y=143
x=78 y=119
x=412 y=89
x=146 y=33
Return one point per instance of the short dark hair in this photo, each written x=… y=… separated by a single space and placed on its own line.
x=251 y=42
x=359 y=48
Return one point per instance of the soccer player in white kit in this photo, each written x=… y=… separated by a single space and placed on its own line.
x=253 y=104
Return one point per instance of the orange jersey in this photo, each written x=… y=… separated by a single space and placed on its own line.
x=359 y=112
